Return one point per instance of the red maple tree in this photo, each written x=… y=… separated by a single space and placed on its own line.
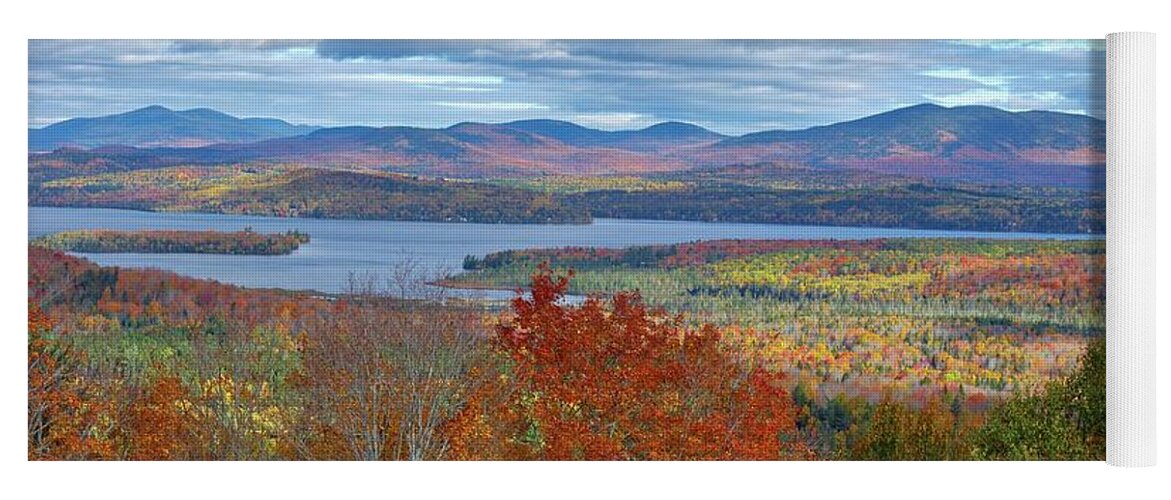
x=620 y=382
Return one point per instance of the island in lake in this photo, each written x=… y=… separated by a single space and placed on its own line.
x=244 y=242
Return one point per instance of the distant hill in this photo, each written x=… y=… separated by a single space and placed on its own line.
x=464 y=150
x=970 y=143
x=661 y=137
x=290 y=191
x=930 y=135
x=157 y=126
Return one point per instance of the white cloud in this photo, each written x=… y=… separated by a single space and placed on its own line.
x=417 y=79
x=734 y=87
x=1004 y=99
x=446 y=88
x=491 y=106
x=967 y=75
x=613 y=121
x=1037 y=45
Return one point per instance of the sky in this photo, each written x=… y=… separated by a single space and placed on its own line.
x=730 y=86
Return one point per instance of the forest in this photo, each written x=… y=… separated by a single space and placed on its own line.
x=911 y=205
x=293 y=191
x=148 y=365
x=246 y=242
x=765 y=193
x=913 y=318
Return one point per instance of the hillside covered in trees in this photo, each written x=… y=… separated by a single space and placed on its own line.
x=148 y=365
x=769 y=193
x=244 y=242
x=291 y=191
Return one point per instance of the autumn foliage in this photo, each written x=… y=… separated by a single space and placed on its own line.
x=160 y=421
x=381 y=377
x=65 y=419
x=244 y=242
x=127 y=364
x=619 y=382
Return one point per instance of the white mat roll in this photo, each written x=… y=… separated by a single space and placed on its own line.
x=1130 y=249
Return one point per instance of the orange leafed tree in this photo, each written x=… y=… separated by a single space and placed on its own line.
x=68 y=418
x=619 y=382
x=160 y=424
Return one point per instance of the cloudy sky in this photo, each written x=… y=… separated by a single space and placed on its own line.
x=732 y=87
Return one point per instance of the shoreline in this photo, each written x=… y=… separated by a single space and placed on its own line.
x=596 y=220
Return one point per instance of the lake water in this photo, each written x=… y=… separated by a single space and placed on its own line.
x=340 y=247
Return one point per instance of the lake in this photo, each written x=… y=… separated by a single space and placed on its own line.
x=341 y=247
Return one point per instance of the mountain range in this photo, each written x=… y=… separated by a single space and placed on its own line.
x=157 y=126
x=933 y=141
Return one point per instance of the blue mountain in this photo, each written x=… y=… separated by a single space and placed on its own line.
x=158 y=126
x=659 y=137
